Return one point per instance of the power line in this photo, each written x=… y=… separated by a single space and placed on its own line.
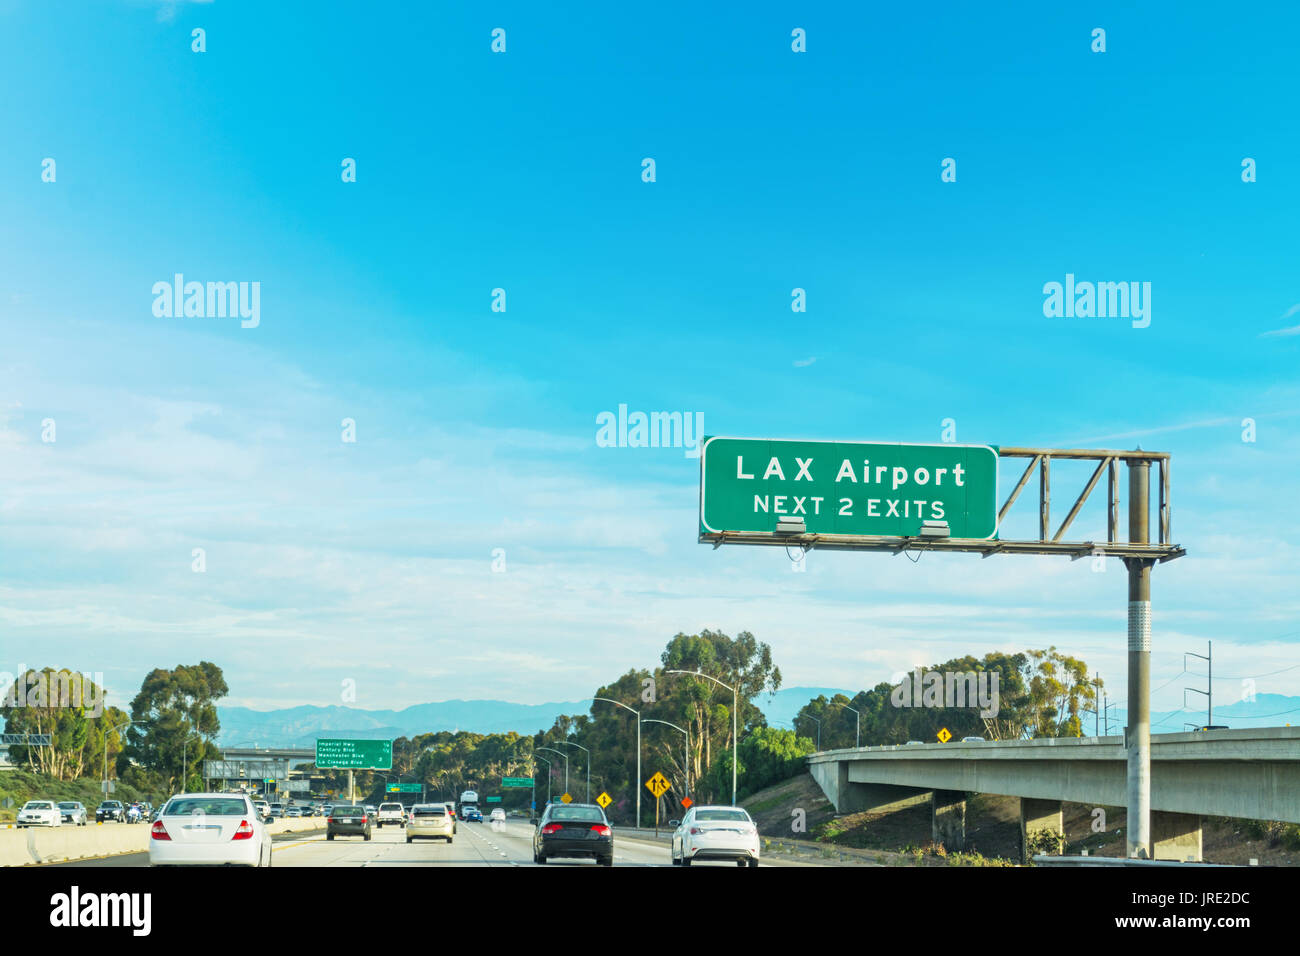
x=1255 y=676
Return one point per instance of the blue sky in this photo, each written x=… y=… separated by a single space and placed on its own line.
x=372 y=561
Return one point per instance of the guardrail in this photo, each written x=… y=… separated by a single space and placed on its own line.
x=1043 y=860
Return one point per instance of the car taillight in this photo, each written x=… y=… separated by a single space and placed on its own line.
x=158 y=831
x=244 y=831
x=551 y=828
x=696 y=830
x=600 y=830
x=329 y=819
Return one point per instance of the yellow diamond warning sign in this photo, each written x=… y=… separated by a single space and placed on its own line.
x=604 y=800
x=658 y=785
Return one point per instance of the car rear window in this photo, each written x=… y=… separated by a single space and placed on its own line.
x=349 y=811
x=390 y=806
x=210 y=806
x=734 y=816
x=578 y=815
x=430 y=811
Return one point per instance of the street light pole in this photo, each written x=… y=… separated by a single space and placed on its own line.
x=857 y=733
x=636 y=784
x=113 y=730
x=588 y=753
x=548 y=780
x=185 y=759
x=566 y=764
x=735 y=738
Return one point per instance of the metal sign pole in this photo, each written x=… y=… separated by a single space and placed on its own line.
x=1137 y=736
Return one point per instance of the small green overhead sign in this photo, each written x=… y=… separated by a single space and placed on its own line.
x=524 y=782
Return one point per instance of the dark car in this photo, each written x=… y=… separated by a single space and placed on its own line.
x=348 y=821
x=574 y=830
x=110 y=810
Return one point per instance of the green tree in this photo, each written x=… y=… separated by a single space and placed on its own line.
x=61 y=703
x=177 y=714
x=768 y=755
x=743 y=663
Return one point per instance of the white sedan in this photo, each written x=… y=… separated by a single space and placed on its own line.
x=40 y=813
x=716 y=833
x=209 y=829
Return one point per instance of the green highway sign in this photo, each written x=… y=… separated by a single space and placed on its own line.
x=524 y=782
x=404 y=788
x=847 y=488
x=493 y=799
x=347 y=754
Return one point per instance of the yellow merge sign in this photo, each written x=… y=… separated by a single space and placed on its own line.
x=944 y=736
x=658 y=785
x=566 y=798
x=604 y=800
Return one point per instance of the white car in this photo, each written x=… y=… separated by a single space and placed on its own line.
x=497 y=816
x=430 y=820
x=70 y=811
x=40 y=813
x=209 y=829
x=393 y=813
x=716 y=833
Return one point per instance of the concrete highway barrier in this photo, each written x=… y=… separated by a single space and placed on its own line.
x=57 y=844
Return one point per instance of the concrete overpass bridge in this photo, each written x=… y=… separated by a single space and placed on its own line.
x=1253 y=773
x=239 y=766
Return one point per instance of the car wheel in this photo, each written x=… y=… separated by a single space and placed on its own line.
x=741 y=863
x=408 y=839
x=540 y=858
x=686 y=861
x=329 y=836
x=607 y=861
x=367 y=837
x=449 y=839
x=753 y=861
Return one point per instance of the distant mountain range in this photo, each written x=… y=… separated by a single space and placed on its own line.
x=300 y=726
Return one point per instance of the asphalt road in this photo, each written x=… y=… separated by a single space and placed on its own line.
x=486 y=844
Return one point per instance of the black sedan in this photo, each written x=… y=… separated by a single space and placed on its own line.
x=348 y=821
x=573 y=830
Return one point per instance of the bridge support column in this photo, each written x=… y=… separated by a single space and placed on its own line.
x=948 y=818
x=1037 y=815
x=1176 y=836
